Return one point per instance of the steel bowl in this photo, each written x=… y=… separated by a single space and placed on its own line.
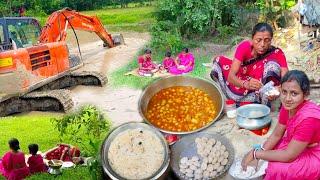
x=186 y=147
x=248 y=120
x=133 y=125
x=209 y=87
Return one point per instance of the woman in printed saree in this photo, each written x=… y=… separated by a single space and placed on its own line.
x=145 y=63
x=255 y=63
x=184 y=63
x=13 y=165
x=293 y=149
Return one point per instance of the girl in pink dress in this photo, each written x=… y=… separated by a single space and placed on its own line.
x=293 y=149
x=145 y=64
x=13 y=165
x=184 y=63
x=167 y=62
x=255 y=63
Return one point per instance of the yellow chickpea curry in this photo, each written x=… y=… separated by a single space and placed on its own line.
x=181 y=109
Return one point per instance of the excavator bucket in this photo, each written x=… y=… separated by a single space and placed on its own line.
x=118 y=39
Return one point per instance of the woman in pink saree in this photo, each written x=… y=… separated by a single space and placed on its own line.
x=13 y=165
x=293 y=149
x=146 y=66
x=255 y=63
x=184 y=63
x=167 y=62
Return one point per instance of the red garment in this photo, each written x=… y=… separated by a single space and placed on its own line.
x=306 y=165
x=36 y=164
x=63 y=152
x=13 y=166
x=168 y=62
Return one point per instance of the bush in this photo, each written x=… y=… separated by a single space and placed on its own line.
x=86 y=128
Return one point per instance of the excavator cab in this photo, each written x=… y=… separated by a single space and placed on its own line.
x=18 y=32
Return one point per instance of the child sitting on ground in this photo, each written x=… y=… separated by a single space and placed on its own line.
x=35 y=161
x=167 y=62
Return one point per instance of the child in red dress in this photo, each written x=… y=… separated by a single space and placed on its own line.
x=35 y=161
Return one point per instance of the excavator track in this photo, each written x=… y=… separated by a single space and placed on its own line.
x=52 y=96
x=52 y=100
x=88 y=78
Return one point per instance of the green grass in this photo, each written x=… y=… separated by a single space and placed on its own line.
x=121 y=19
x=118 y=79
x=28 y=129
x=67 y=174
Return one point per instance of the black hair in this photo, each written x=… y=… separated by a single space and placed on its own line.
x=147 y=51
x=168 y=54
x=261 y=27
x=33 y=149
x=14 y=144
x=301 y=78
x=185 y=49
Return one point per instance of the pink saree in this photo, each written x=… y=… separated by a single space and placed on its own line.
x=307 y=164
x=184 y=60
x=13 y=166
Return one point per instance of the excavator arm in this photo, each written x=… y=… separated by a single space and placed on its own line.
x=58 y=22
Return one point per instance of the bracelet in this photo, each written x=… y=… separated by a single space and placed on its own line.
x=255 y=153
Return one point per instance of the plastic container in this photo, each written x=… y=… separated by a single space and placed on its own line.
x=230 y=108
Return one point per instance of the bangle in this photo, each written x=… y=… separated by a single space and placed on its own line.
x=242 y=84
x=255 y=153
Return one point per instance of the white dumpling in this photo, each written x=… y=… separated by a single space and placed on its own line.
x=220 y=169
x=198 y=171
x=197 y=140
x=218 y=144
x=216 y=165
x=204 y=139
x=183 y=170
x=205 y=160
x=226 y=154
x=224 y=162
x=196 y=163
x=211 y=140
x=184 y=160
x=210 y=144
x=183 y=166
x=198 y=176
x=206 y=174
x=221 y=158
x=203 y=166
x=195 y=158
x=223 y=147
x=210 y=158
x=210 y=168
x=189 y=171
x=192 y=167
x=213 y=174
x=189 y=175
x=214 y=160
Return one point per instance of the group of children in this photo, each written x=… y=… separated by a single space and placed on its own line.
x=13 y=165
x=183 y=63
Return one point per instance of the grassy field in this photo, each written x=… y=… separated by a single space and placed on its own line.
x=137 y=19
x=28 y=129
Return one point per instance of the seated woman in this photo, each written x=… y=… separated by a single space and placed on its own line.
x=146 y=66
x=293 y=149
x=184 y=63
x=13 y=165
x=167 y=62
x=255 y=63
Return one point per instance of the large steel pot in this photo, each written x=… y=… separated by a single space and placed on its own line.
x=133 y=125
x=209 y=87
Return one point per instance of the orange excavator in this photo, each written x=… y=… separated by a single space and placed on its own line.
x=35 y=63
